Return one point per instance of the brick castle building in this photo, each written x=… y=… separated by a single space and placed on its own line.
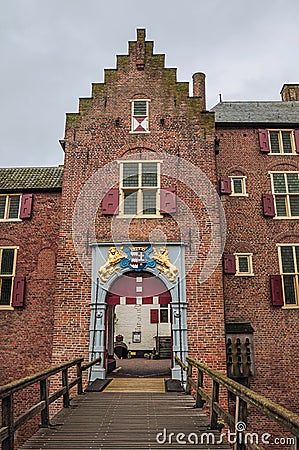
x=183 y=220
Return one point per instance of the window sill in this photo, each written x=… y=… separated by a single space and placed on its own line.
x=244 y=274
x=238 y=195
x=10 y=220
x=286 y=218
x=290 y=307
x=134 y=216
x=139 y=132
x=283 y=154
x=6 y=308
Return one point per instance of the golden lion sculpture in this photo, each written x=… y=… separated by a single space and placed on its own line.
x=110 y=266
x=163 y=263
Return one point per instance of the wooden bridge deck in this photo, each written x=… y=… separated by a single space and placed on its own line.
x=124 y=420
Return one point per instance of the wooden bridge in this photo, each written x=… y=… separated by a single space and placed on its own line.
x=136 y=414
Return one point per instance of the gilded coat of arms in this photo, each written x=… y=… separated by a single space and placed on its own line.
x=138 y=259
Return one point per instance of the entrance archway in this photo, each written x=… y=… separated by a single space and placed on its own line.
x=138 y=319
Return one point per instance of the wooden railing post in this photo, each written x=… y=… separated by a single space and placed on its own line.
x=214 y=399
x=8 y=421
x=189 y=376
x=241 y=422
x=44 y=395
x=65 y=383
x=79 y=376
x=198 y=398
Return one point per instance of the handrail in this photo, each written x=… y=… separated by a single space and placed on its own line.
x=281 y=415
x=10 y=424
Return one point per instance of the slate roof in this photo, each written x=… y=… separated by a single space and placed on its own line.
x=257 y=112
x=31 y=178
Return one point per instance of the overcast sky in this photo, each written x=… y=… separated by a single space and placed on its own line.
x=52 y=50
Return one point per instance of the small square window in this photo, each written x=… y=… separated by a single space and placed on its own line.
x=9 y=207
x=164 y=313
x=238 y=186
x=244 y=264
x=282 y=142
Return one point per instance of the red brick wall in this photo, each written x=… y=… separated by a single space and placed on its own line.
x=26 y=333
x=248 y=298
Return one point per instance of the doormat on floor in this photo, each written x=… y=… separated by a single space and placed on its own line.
x=97 y=385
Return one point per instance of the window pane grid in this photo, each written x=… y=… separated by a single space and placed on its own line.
x=149 y=202
x=139 y=186
x=140 y=108
x=7 y=268
x=287 y=205
x=281 y=142
x=289 y=263
x=9 y=207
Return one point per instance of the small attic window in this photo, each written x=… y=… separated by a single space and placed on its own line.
x=140 y=113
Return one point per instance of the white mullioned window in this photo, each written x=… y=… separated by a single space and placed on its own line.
x=140 y=189
x=9 y=207
x=282 y=142
x=289 y=269
x=238 y=186
x=8 y=256
x=285 y=188
x=140 y=116
x=244 y=265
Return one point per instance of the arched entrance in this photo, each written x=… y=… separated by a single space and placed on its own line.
x=138 y=320
x=105 y=281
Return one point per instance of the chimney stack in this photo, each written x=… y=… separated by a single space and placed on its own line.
x=199 y=87
x=290 y=93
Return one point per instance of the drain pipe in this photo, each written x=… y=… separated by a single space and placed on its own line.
x=180 y=328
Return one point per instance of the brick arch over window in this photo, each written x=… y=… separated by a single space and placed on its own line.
x=284 y=238
x=237 y=172
x=140 y=150
x=282 y=167
x=142 y=287
x=140 y=95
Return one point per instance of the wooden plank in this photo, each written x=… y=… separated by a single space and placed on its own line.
x=124 y=420
x=29 y=414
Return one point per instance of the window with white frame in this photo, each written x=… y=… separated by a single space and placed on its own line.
x=140 y=116
x=285 y=188
x=139 y=184
x=238 y=186
x=9 y=207
x=244 y=264
x=289 y=270
x=7 y=272
x=282 y=141
x=164 y=313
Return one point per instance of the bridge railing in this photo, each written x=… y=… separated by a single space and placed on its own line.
x=287 y=419
x=10 y=424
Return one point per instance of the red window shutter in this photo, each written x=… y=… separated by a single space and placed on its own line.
x=26 y=206
x=18 y=292
x=229 y=264
x=154 y=315
x=168 y=200
x=225 y=185
x=276 y=290
x=268 y=205
x=110 y=202
x=264 y=141
x=296 y=136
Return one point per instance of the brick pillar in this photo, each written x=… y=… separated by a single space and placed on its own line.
x=199 y=87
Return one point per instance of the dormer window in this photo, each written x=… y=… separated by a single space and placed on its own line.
x=140 y=113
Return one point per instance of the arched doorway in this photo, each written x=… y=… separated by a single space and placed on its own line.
x=138 y=320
